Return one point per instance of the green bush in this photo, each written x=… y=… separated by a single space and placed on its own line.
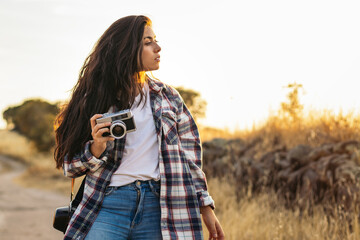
x=34 y=119
x=194 y=102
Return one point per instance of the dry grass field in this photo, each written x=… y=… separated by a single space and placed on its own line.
x=41 y=171
x=262 y=216
x=258 y=216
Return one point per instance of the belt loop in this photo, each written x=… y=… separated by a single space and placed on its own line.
x=151 y=186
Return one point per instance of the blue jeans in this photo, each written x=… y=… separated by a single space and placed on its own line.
x=129 y=212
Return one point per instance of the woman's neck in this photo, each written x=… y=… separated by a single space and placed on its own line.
x=141 y=78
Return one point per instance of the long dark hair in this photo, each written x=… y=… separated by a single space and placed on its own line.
x=110 y=76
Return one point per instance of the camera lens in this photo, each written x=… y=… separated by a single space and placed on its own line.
x=118 y=129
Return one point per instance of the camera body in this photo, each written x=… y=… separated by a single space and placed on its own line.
x=63 y=215
x=61 y=218
x=121 y=123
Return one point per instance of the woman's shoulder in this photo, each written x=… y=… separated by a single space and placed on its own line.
x=166 y=89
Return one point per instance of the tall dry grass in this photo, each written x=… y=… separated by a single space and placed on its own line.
x=312 y=128
x=262 y=217
x=40 y=167
x=14 y=145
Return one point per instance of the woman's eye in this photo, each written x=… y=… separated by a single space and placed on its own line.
x=148 y=43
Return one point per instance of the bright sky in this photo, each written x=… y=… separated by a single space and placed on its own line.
x=237 y=54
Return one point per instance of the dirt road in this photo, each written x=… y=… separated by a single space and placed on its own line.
x=25 y=213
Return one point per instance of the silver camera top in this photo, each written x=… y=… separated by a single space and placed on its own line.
x=110 y=117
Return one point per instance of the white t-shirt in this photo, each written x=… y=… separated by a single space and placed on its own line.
x=141 y=154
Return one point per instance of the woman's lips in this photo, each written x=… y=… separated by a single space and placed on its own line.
x=157 y=59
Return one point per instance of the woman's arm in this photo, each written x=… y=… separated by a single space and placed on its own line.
x=190 y=142
x=83 y=162
x=191 y=145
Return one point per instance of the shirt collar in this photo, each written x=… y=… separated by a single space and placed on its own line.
x=155 y=85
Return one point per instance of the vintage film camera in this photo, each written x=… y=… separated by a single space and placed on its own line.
x=121 y=123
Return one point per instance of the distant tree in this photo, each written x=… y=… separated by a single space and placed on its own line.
x=292 y=107
x=34 y=119
x=194 y=102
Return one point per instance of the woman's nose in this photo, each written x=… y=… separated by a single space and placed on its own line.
x=158 y=48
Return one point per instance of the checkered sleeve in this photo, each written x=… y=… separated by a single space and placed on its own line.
x=191 y=145
x=83 y=162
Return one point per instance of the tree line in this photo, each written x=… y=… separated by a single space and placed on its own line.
x=34 y=118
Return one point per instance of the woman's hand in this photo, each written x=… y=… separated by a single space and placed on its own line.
x=97 y=130
x=212 y=223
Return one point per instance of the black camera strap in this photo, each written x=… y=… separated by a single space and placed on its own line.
x=74 y=203
x=64 y=214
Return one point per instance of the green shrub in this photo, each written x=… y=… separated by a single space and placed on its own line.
x=194 y=102
x=34 y=119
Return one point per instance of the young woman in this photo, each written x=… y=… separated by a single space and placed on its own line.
x=148 y=184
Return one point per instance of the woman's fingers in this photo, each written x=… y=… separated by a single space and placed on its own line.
x=93 y=118
x=106 y=139
x=212 y=232
x=98 y=132
x=215 y=231
x=220 y=231
x=98 y=136
x=103 y=127
x=109 y=139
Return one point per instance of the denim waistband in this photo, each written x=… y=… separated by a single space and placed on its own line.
x=146 y=181
x=139 y=184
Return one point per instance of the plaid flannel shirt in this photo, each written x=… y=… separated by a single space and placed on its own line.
x=183 y=183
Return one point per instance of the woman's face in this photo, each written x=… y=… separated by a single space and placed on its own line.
x=150 y=56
